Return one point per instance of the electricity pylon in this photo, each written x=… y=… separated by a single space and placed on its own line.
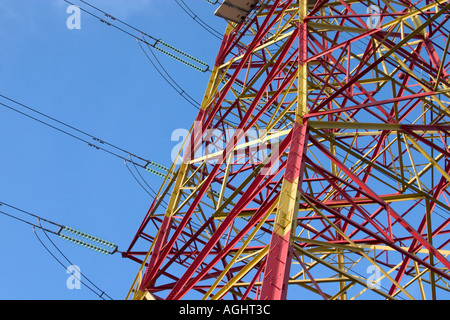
x=317 y=165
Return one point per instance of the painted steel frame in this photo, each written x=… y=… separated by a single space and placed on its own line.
x=356 y=181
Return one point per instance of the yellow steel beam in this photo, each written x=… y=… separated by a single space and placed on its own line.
x=411 y=159
x=343 y=291
x=343 y=235
x=327 y=245
x=259 y=48
x=386 y=172
x=419 y=280
x=430 y=241
x=387 y=248
x=292 y=281
x=429 y=158
x=413 y=13
x=250 y=265
x=360 y=201
x=259 y=141
x=238 y=253
x=349 y=277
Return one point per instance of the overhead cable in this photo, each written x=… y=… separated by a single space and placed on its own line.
x=156 y=43
x=80 y=135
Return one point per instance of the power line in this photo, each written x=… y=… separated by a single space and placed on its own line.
x=59 y=122
x=168 y=78
x=67 y=233
x=55 y=229
x=25 y=221
x=82 y=136
x=145 y=182
x=197 y=19
x=158 y=44
x=62 y=264
x=142 y=39
x=70 y=262
x=137 y=180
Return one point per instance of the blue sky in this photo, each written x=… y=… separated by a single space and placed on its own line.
x=98 y=80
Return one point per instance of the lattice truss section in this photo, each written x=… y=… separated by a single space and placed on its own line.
x=318 y=165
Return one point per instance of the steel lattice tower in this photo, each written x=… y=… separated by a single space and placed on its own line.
x=318 y=165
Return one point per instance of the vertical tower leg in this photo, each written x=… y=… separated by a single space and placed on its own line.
x=279 y=259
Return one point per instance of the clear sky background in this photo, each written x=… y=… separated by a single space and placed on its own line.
x=98 y=80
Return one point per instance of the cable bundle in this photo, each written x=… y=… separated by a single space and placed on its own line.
x=126 y=28
x=94 y=243
x=157 y=166
x=186 y=58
